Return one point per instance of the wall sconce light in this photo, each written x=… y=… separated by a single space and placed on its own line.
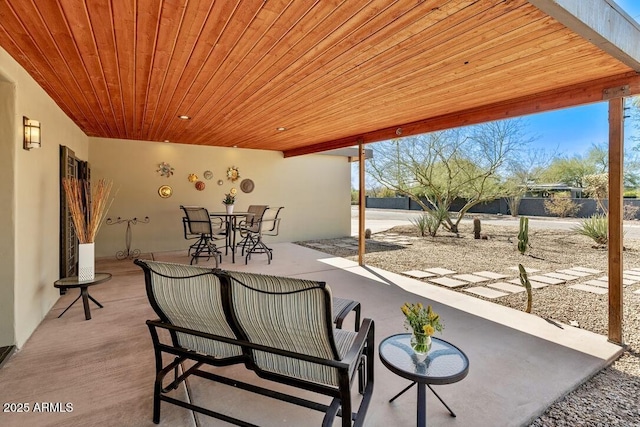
x=31 y=133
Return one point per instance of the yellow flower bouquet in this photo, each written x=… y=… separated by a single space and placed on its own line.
x=423 y=322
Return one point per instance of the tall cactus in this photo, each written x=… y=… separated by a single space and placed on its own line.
x=523 y=235
x=524 y=279
x=476 y=228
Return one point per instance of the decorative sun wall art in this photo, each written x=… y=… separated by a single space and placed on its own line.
x=165 y=169
x=233 y=174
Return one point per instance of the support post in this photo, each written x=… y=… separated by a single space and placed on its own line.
x=361 y=204
x=616 y=144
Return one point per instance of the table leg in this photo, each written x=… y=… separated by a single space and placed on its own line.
x=227 y=221
x=97 y=303
x=85 y=301
x=233 y=240
x=422 y=406
x=402 y=392
x=441 y=401
x=432 y=390
x=65 y=310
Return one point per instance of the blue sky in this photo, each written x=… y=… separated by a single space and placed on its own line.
x=575 y=130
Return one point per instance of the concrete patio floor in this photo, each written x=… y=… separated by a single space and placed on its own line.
x=519 y=363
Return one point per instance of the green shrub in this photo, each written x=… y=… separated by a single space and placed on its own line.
x=561 y=205
x=596 y=228
x=630 y=211
x=430 y=221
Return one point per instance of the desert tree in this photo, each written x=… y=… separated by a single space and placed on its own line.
x=438 y=168
x=523 y=169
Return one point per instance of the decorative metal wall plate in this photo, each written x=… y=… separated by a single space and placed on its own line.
x=192 y=177
x=247 y=185
x=165 y=191
x=200 y=185
x=165 y=169
x=208 y=174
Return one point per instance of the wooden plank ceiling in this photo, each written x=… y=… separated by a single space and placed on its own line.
x=330 y=72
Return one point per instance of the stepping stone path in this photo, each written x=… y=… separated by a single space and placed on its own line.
x=507 y=287
x=440 y=271
x=562 y=276
x=592 y=289
x=490 y=289
x=576 y=272
x=546 y=279
x=597 y=282
x=486 y=292
x=448 y=282
x=533 y=283
x=490 y=275
x=472 y=278
x=394 y=239
x=419 y=274
x=529 y=270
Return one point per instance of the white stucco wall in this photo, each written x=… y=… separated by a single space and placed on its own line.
x=314 y=189
x=35 y=206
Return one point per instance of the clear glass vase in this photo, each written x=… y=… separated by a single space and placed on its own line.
x=420 y=343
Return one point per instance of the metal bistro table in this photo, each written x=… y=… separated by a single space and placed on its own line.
x=444 y=364
x=73 y=282
x=230 y=223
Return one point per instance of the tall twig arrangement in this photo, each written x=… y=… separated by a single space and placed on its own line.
x=87 y=205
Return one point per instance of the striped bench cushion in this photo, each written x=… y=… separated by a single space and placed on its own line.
x=292 y=315
x=190 y=297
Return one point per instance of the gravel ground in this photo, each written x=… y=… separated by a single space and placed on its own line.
x=611 y=397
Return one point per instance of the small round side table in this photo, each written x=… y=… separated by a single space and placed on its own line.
x=444 y=364
x=73 y=282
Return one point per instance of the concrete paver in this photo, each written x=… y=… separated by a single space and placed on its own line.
x=587 y=270
x=574 y=272
x=562 y=276
x=534 y=284
x=490 y=274
x=592 y=289
x=440 y=271
x=448 y=282
x=507 y=287
x=545 y=279
x=419 y=274
x=485 y=292
x=472 y=278
x=598 y=283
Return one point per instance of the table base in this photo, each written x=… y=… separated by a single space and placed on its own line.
x=84 y=293
x=422 y=401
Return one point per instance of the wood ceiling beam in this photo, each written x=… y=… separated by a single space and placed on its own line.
x=601 y=22
x=571 y=96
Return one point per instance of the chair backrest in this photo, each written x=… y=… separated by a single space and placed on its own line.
x=190 y=297
x=254 y=217
x=198 y=220
x=271 y=221
x=305 y=326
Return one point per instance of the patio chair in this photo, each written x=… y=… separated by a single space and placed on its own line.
x=197 y=223
x=309 y=352
x=267 y=225
x=249 y=226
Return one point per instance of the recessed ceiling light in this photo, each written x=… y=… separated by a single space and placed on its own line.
x=166 y=140
x=184 y=117
x=280 y=129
